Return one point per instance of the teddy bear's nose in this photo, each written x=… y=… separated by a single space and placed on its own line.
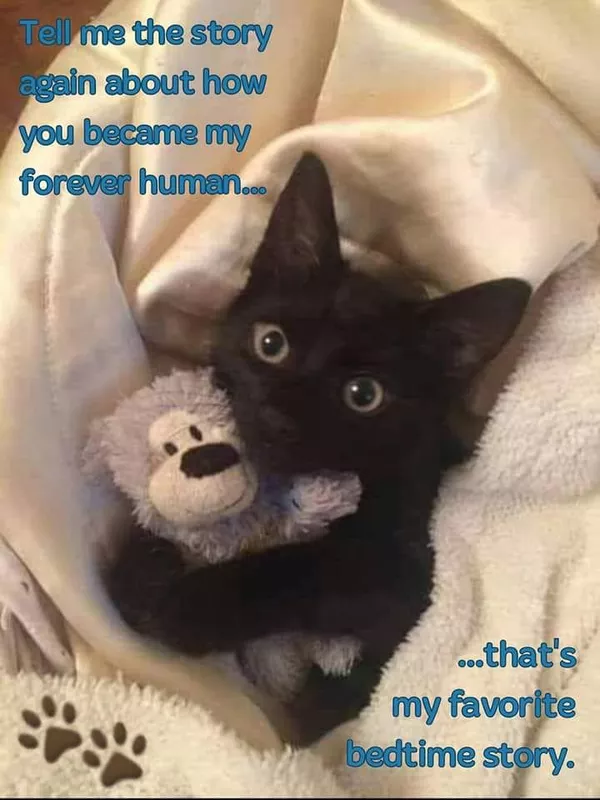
x=208 y=459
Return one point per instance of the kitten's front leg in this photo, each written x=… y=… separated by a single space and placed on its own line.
x=143 y=572
x=370 y=583
x=216 y=608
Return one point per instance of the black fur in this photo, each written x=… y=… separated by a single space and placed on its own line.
x=371 y=575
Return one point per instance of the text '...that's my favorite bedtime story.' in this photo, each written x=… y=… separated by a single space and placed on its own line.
x=459 y=703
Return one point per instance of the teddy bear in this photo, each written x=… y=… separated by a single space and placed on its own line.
x=173 y=449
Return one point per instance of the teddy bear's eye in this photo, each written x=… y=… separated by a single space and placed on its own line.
x=170 y=449
x=196 y=432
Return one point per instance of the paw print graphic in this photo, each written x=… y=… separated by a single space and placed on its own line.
x=55 y=733
x=119 y=767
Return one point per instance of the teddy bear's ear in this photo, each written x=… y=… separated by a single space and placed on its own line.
x=94 y=457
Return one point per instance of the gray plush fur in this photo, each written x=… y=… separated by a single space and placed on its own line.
x=217 y=516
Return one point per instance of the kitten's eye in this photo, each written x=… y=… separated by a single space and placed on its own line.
x=363 y=395
x=270 y=343
x=195 y=432
x=170 y=449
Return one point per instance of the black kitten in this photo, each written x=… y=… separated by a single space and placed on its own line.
x=327 y=368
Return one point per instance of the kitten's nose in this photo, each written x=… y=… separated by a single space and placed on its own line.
x=278 y=425
x=208 y=459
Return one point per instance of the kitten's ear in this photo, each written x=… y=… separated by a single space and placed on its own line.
x=302 y=238
x=468 y=328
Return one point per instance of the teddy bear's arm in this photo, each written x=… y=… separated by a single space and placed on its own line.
x=315 y=500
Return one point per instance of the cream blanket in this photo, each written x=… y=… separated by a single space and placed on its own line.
x=461 y=136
